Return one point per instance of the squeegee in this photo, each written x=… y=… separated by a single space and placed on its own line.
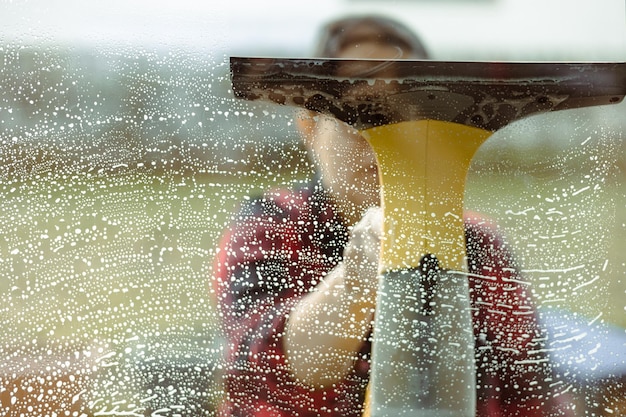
x=425 y=120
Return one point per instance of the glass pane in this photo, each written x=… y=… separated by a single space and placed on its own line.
x=125 y=159
x=564 y=217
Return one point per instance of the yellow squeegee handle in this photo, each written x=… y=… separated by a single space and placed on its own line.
x=423 y=167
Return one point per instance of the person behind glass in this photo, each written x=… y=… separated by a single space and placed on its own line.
x=296 y=277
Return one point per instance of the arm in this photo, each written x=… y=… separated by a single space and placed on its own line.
x=335 y=318
x=254 y=294
x=264 y=267
x=515 y=375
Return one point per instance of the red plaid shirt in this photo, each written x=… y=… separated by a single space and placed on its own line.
x=280 y=246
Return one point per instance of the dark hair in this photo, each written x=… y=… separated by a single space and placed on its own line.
x=335 y=35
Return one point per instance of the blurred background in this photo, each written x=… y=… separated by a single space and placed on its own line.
x=124 y=154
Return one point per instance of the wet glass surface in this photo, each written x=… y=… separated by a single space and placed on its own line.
x=122 y=165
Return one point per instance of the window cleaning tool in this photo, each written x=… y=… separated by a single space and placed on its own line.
x=425 y=120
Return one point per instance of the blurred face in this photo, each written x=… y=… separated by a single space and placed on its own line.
x=347 y=165
x=346 y=161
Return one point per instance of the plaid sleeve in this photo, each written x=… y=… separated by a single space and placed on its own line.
x=515 y=377
x=258 y=280
x=249 y=281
